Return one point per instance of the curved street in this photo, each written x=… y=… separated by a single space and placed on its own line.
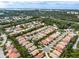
x=75 y=45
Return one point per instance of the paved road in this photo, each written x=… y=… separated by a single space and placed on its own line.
x=2 y=53
x=75 y=45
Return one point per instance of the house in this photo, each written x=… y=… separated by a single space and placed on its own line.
x=32 y=48
x=53 y=55
x=34 y=52
x=57 y=52
x=44 y=42
x=11 y=51
x=29 y=45
x=62 y=43
x=59 y=47
x=40 y=55
x=66 y=39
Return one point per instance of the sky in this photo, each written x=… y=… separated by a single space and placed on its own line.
x=40 y=4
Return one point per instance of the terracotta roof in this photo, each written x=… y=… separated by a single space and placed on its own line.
x=61 y=46
x=32 y=48
x=62 y=43
x=57 y=52
x=40 y=55
x=67 y=39
x=34 y=52
x=12 y=52
x=53 y=55
x=47 y=39
x=44 y=42
x=28 y=45
x=58 y=48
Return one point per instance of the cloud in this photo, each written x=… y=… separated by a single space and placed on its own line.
x=40 y=4
x=5 y=4
x=2 y=5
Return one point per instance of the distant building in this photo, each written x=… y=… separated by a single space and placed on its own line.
x=72 y=12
